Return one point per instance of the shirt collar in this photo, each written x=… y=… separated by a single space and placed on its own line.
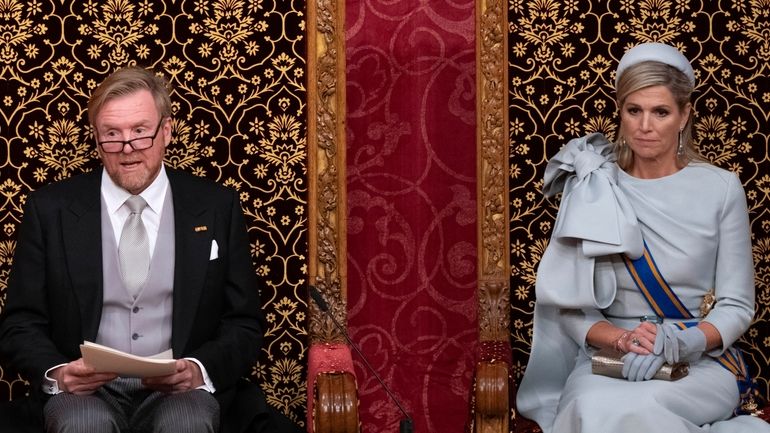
x=114 y=196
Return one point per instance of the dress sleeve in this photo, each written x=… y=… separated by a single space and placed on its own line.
x=576 y=324
x=734 y=275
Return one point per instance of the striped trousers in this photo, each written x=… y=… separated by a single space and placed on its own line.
x=125 y=406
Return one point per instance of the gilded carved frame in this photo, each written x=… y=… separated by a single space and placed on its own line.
x=326 y=164
x=491 y=392
x=326 y=171
x=492 y=173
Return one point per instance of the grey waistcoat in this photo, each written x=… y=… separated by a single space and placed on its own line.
x=140 y=326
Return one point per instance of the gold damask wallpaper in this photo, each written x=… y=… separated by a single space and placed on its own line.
x=562 y=56
x=237 y=68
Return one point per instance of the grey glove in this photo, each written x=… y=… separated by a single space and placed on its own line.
x=683 y=344
x=638 y=367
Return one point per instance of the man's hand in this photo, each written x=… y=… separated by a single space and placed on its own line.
x=78 y=378
x=187 y=377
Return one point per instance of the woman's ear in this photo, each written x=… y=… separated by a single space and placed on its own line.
x=685 y=115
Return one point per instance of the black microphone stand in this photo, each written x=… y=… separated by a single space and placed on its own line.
x=405 y=425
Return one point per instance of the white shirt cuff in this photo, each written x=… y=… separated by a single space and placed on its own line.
x=51 y=386
x=207 y=384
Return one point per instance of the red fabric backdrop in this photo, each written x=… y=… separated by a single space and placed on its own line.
x=411 y=167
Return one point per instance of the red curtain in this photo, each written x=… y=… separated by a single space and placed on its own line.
x=411 y=179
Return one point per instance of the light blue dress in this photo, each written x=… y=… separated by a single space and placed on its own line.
x=695 y=224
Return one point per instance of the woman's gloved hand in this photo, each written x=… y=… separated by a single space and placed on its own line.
x=682 y=344
x=638 y=367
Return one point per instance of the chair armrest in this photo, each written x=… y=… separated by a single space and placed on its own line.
x=492 y=389
x=492 y=397
x=336 y=403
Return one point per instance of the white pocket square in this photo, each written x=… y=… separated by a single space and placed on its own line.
x=214 y=250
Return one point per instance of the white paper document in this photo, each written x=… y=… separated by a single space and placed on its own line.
x=109 y=360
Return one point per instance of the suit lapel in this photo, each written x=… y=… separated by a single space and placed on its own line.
x=81 y=234
x=193 y=231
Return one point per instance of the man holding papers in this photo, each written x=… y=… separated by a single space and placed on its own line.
x=140 y=258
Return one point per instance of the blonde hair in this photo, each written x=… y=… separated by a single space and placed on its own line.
x=126 y=81
x=652 y=73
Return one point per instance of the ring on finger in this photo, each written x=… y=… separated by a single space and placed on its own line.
x=635 y=341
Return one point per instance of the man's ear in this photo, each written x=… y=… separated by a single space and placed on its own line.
x=167 y=131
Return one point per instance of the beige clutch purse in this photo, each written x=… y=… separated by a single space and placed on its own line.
x=607 y=362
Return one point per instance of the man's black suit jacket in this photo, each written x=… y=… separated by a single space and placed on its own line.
x=54 y=293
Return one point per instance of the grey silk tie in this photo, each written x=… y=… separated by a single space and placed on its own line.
x=134 y=247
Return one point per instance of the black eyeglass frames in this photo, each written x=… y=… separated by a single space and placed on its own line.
x=138 y=143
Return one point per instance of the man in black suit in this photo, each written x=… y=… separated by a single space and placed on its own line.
x=190 y=289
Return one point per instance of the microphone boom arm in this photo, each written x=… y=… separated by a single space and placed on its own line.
x=405 y=426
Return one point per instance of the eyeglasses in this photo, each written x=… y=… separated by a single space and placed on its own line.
x=138 y=143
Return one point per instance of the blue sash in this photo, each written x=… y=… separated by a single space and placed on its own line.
x=656 y=291
x=664 y=302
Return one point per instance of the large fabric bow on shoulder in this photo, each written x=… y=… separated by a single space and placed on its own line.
x=595 y=219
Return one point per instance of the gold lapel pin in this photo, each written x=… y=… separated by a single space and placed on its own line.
x=201 y=229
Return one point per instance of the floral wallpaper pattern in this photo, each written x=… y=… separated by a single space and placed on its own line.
x=237 y=68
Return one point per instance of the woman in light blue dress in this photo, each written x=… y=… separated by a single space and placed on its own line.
x=647 y=235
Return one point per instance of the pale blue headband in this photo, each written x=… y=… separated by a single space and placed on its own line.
x=657 y=52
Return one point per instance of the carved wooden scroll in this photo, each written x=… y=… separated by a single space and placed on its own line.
x=326 y=163
x=492 y=410
x=333 y=399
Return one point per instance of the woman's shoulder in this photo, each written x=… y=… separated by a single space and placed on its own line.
x=709 y=173
x=719 y=183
